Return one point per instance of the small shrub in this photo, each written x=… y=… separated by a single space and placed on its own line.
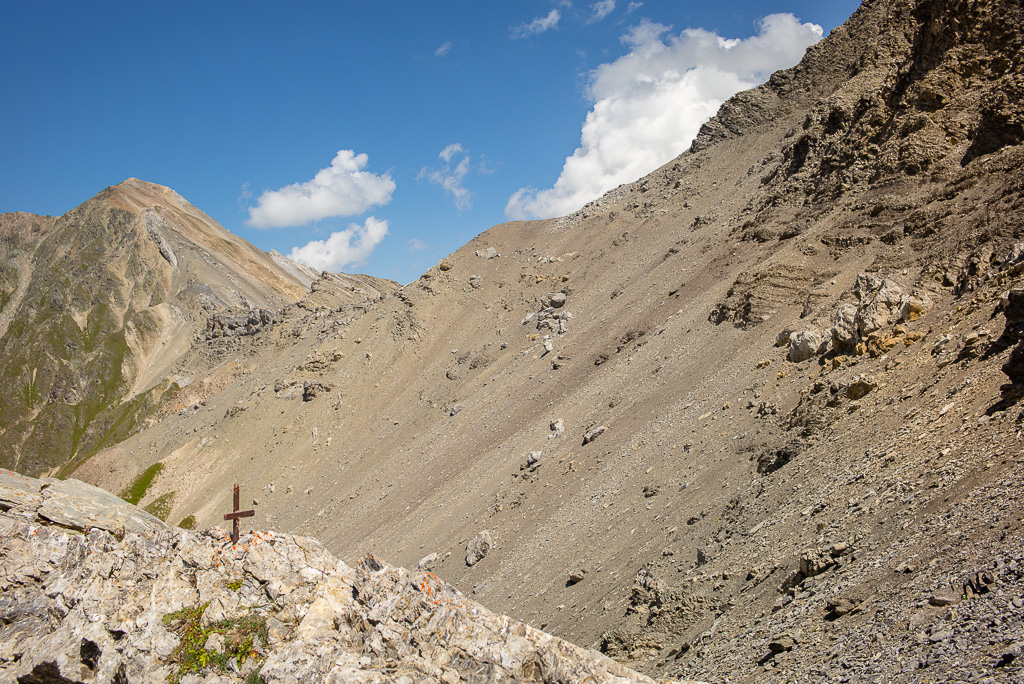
x=188 y=522
x=191 y=654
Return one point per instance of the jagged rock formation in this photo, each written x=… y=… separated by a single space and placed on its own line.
x=170 y=605
x=736 y=510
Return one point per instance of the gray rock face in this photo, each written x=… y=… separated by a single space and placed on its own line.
x=804 y=344
x=73 y=504
x=222 y=325
x=844 y=327
x=94 y=608
x=19 y=493
x=478 y=547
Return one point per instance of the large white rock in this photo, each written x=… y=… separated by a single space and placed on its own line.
x=804 y=344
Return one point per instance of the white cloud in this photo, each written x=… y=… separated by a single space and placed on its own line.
x=416 y=245
x=537 y=26
x=450 y=151
x=345 y=248
x=602 y=8
x=650 y=103
x=342 y=189
x=450 y=177
x=444 y=49
x=633 y=6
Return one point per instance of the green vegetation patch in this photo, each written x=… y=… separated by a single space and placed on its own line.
x=161 y=506
x=136 y=490
x=188 y=522
x=240 y=637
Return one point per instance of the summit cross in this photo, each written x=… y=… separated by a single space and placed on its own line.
x=235 y=515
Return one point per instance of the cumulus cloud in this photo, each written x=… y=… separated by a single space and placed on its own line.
x=537 y=26
x=649 y=104
x=342 y=189
x=343 y=249
x=444 y=49
x=602 y=9
x=450 y=176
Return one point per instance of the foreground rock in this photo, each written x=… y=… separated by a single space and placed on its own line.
x=183 y=606
x=73 y=504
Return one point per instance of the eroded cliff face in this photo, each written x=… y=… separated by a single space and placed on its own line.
x=139 y=603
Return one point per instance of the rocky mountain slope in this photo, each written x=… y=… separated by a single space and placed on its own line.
x=98 y=305
x=747 y=417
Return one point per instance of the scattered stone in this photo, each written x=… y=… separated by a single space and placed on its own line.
x=555 y=300
x=427 y=562
x=445 y=265
x=478 y=548
x=594 y=434
x=311 y=389
x=455 y=409
x=944 y=597
x=250 y=323
x=577 y=576
x=782 y=644
x=489 y=253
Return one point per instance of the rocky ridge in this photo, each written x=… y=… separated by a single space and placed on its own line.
x=165 y=604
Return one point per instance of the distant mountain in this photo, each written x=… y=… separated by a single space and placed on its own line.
x=98 y=306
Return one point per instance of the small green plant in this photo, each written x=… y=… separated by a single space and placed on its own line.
x=188 y=522
x=161 y=506
x=191 y=655
x=234 y=585
x=136 y=490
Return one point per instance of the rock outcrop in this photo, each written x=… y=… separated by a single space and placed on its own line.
x=155 y=603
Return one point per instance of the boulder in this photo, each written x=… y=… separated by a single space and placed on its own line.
x=427 y=562
x=804 y=344
x=82 y=506
x=878 y=306
x=311 y=389
x=844 y=328
x=912 y=308
x=478 y=547
x=555 y=300
x=593 y=434
x=98 y=608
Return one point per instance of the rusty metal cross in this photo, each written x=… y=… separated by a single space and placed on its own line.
x=234 y=516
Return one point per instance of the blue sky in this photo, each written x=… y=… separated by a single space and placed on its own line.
x=402 y=129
